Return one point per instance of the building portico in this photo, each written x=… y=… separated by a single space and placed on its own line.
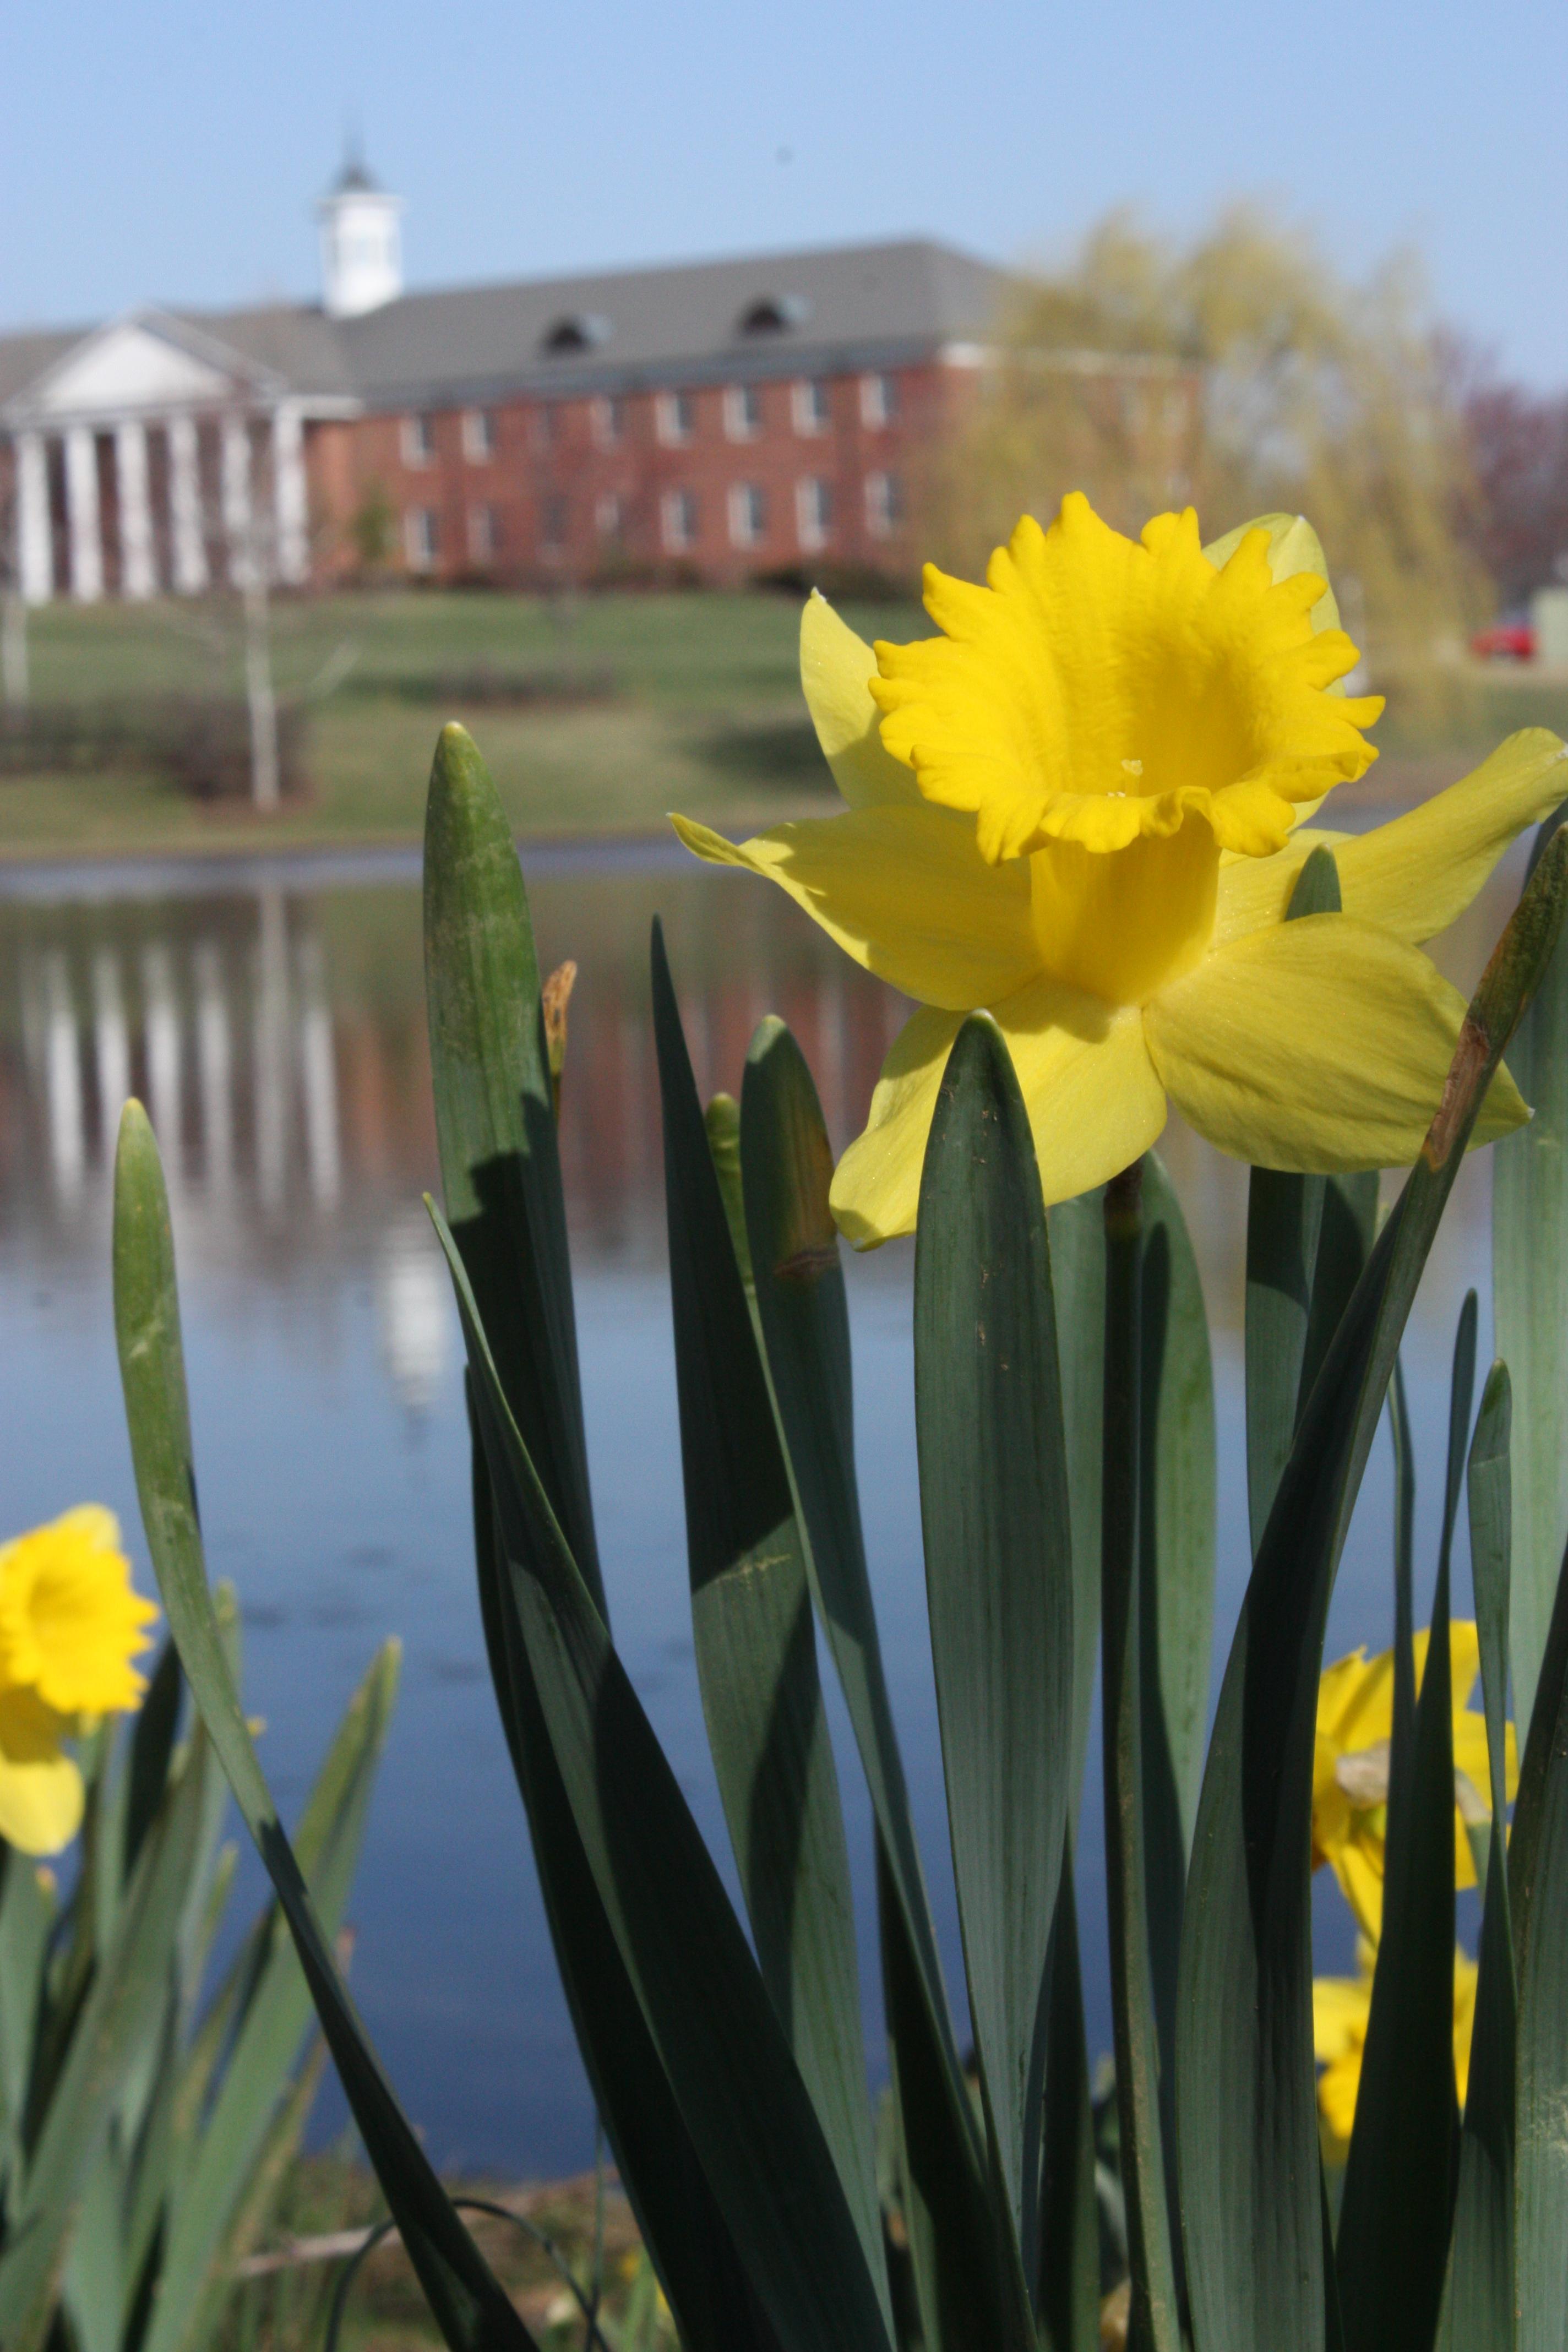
x=154 y=459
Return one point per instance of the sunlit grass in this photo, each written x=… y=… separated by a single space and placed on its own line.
x=689 y=699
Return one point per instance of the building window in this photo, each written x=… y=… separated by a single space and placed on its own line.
x=812 y=513
x=810 y=405
x=748 y=514
x=742 y=411
x=609 y=421
x=542 y=425
x=421 y=538
x=609 y=514
x=484 y=533
x=553 y=522
x=884 y=504
x=878 y=399
x=677 y=416
x=418 y=440
x=478 y=435
x=680 y=519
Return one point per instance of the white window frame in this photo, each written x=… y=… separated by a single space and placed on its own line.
x=675 y=418
x=879 y=401
x=484 y=532
x=748 y=514
x=421 y=538
x=607 y=421
x=738 y=424
x=678 y=520
x=419 y=439
x=610 y=515
x=883 y=507
x=478 y=435
x=805 y=394
x=813 y=512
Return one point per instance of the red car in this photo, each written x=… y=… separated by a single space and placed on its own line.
x=1509 y=641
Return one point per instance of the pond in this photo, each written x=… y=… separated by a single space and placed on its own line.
x=270 y=1014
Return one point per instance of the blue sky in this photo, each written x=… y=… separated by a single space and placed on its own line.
x=171 y=149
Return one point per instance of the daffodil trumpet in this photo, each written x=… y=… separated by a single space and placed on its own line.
x=1083 y=805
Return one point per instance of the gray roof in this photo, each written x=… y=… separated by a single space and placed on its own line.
x=25 y=357
x=293 y=340
x=845 y=306
x=850 y=305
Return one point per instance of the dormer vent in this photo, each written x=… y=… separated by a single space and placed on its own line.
x=579 y=330
x=775 y=314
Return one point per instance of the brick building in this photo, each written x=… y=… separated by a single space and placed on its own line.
x=717 y=420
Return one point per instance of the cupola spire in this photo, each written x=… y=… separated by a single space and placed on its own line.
x=361 y=241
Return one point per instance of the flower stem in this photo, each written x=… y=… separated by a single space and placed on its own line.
x=1155 y=2320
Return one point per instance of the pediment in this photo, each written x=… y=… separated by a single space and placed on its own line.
x=129 y=367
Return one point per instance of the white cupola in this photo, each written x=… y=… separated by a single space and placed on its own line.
x=362 y=244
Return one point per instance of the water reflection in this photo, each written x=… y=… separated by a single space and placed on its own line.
x=276 y=1040
x=277 y=1034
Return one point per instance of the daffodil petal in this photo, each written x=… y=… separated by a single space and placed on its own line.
x=1358 y=1866
x=1464 y=1662
x=41 y=1794
x=1254 y=892
x=1340 y=2006
x=41 y=1805
x=835 y=671
x=1319 y=1045
x=1415 y=874
x=905 y=892
x=1093 y=1099
x=1337 y=2093
x=1293 y=546
x=877 y=1184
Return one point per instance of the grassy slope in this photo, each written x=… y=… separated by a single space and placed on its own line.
x=706 y=714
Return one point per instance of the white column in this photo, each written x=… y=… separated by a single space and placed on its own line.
x=415 y=1316
x=237 y=519
x=62 y=1065
x=290 y=498
x=81 y=514
x=138 y=563
x=269 y=1060
x=111 y=1048
x=319 y=1078
x=35 y=540
x=185 y=508
x=160 y=1028
x=214 y=1080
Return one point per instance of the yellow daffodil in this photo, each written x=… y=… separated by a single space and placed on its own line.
x=1341 y=2008
x=1350 y=1770
x=1080 y=806
x=70 y=1625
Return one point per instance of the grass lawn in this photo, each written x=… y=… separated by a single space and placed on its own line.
x=688 y=701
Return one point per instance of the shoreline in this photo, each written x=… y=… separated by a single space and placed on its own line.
x=217 y=868
x=220 y=871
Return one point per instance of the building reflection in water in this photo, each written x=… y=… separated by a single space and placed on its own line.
x=278 y=1038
